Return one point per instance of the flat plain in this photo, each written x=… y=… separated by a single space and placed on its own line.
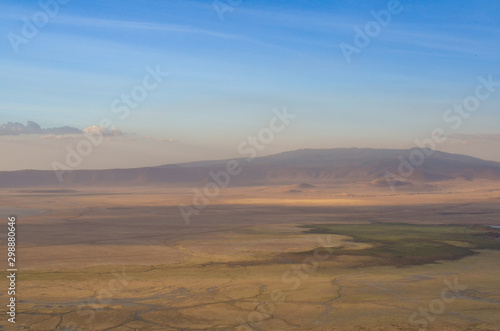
x=294 y=257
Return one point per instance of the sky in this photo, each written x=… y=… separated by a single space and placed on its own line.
x=174 y=81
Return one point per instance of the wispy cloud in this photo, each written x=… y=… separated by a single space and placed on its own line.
x=135 y=26
x=448 y=42
x=138 y=25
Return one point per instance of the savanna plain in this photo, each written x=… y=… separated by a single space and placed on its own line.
x=277 y=257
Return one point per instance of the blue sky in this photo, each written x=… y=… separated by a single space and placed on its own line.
x=226 y=76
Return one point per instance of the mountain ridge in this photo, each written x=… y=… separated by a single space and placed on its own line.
x=322 y=166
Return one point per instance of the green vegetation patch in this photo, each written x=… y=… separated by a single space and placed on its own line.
x=402 y=244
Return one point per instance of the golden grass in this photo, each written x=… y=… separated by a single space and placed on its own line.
x=222 y=268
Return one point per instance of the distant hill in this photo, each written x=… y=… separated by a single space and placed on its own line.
x=312 y=166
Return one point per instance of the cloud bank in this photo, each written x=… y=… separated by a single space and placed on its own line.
x=15 y=129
